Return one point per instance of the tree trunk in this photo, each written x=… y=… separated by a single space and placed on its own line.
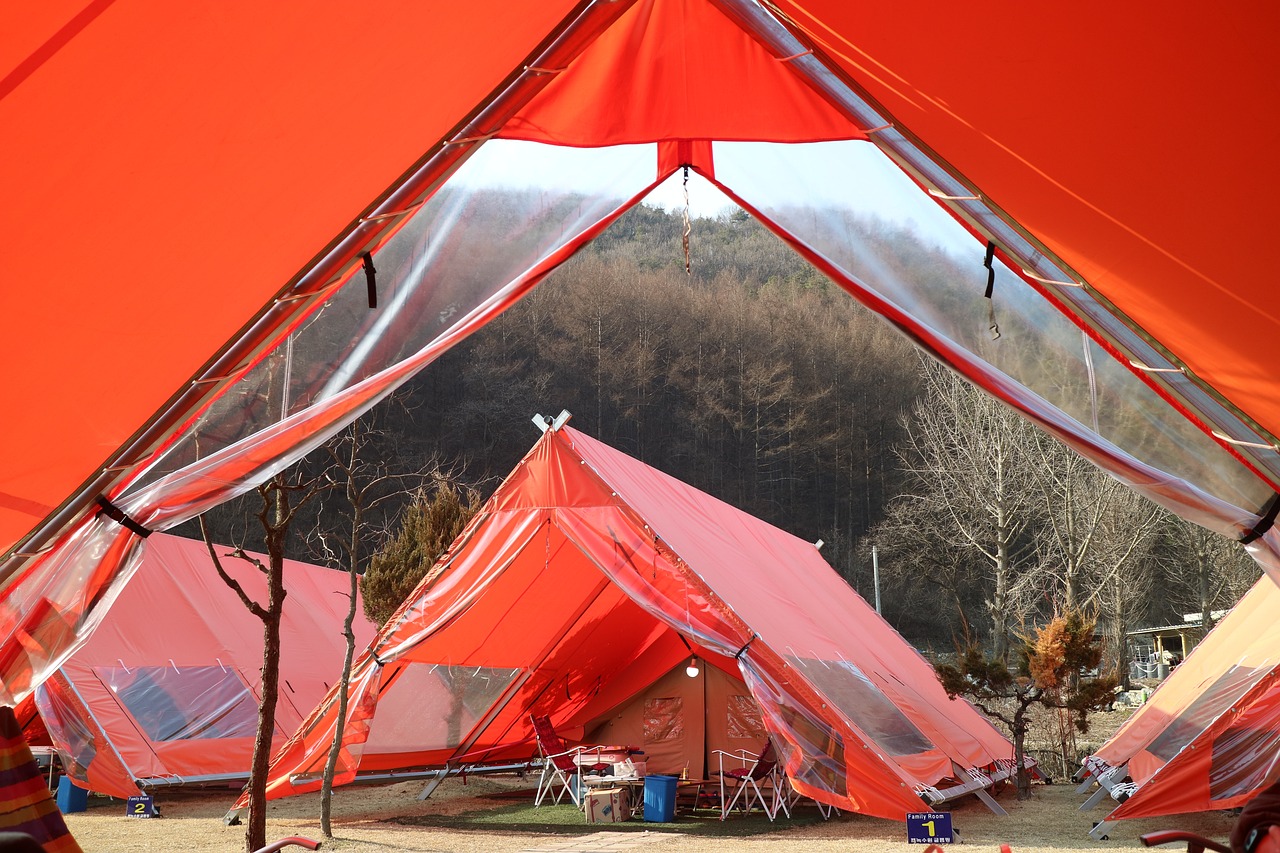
x=344 y=689
x=256 y=836
x=1019 y=754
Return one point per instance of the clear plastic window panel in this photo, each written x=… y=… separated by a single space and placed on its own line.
x=1207 y=707
x=743 y=718
x=845 y=687
x=73 y=737
x=1245 y=757
x=485 y=228
x=663 y=719
x=812 y=751
x=434 y=706
x=854 y=207
x=193 y=702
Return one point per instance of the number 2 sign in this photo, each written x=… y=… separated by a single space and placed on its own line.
x=142 y=806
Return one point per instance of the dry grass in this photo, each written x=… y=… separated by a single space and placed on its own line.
x=391 y=818
x=372 y=818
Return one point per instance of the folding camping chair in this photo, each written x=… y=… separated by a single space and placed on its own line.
x=741 y=784
x=560 y=766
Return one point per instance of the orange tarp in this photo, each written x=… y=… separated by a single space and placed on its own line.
x=1193 y=745
x=169 y=172
x=570 y=593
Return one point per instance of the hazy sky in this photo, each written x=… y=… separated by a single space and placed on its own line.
x=854 y=175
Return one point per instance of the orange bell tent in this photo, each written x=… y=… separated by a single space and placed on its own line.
x=589 y=576
x=201 y=200
x=166 y=692
x=1209 y=737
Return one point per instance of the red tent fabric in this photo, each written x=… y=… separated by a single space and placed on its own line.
x=572 y=590
x=164 y=164
x=166 y=690
x=1204 y=739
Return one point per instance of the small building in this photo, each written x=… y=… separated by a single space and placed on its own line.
x=1150 y=645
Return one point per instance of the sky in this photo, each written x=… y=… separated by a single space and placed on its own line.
x=851 y=174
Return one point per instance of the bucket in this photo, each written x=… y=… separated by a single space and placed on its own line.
x=660 y=798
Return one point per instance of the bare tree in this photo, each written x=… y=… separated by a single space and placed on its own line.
x=965 y=458
x=1096 y=530
x=281 y=498
x=362 y=481
x=1208 y=571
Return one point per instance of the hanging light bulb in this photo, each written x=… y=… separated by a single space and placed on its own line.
x=692 y=669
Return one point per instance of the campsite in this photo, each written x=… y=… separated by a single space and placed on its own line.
x=814 y=416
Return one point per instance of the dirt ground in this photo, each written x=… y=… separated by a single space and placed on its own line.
x=381 y=817
x=369 y=818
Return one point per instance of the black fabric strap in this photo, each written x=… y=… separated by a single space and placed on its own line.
x=991 y=270
x=117 y=515
x=370 y=279
x=1268 y=518
x=742 y=651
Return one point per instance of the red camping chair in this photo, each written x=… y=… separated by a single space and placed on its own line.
x=1195 y=843
x=560 y=767
x=741 y=784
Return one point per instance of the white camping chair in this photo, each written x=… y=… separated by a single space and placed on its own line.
x=747 y=779
x=560 y=767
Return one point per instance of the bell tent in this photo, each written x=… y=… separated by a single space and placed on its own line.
x=589 y=576
x=1208 y=737
x=166 y=691
x=203 y=201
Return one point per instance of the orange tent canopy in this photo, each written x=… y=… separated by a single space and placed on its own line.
x=185 y=186
x=588 y=576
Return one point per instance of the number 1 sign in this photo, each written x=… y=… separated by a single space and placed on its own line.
x=929 y=828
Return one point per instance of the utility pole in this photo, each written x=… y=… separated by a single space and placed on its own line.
x=875 y=574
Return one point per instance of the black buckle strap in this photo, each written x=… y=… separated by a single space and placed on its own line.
x=117 y=515
x=370 y=279
x=1265 y=521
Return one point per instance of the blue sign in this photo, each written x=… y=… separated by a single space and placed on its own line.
x=929 y=828
x=142 y=806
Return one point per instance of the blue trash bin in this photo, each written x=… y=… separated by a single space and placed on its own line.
x=71 y=798
x=660 y=798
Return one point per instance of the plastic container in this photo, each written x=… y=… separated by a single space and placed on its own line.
x=660 y=798
x=71 y=798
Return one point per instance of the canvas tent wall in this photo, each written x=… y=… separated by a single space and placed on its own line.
x=1084 y=226
x=166 y=692
x=587 y=577
x=1206 y=738
x=680 y=721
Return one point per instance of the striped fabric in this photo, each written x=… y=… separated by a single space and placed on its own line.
x=25 y=802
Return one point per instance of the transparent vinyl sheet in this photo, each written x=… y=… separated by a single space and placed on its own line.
x=853 y=207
